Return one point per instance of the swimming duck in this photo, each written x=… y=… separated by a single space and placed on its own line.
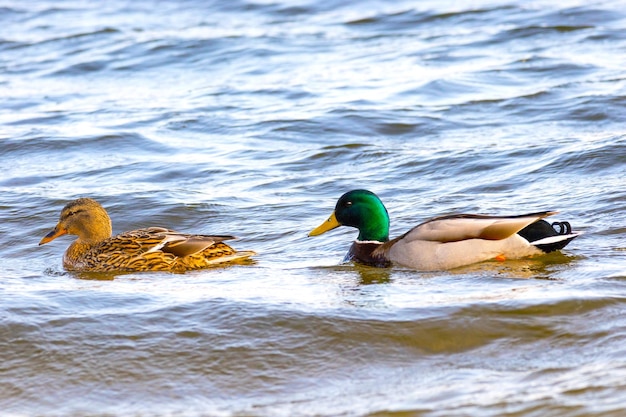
x=150 y=249
x=444 y=242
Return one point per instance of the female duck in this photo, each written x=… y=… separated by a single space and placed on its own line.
x=443 y=242
x=151 y=249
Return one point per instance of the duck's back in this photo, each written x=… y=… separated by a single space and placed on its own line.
x=153 y=249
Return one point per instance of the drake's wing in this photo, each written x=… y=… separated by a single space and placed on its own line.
x=471 y=226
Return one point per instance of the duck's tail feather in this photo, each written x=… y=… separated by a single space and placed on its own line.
x=549 y=237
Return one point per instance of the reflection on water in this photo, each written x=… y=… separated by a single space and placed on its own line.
x=370 y=275
x=540 y=267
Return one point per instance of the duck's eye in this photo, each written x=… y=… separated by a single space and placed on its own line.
x=348 y=203
x=73 y=212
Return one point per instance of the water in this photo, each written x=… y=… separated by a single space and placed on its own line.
x=252 y=118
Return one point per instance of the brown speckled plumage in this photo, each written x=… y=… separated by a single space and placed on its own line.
x=150 y=249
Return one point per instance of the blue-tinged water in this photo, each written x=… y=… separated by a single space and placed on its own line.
x=251 y=118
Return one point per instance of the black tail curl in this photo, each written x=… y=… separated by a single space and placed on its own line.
x=564 y=228
x=542 y=229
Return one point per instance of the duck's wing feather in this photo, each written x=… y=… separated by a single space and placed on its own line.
x=459 y=227
x=154 y=249
x=158 y=239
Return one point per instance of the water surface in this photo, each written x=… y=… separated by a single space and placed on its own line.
x=252 y=118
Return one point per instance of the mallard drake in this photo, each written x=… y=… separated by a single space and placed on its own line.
x=150 y=249
x=444 y=242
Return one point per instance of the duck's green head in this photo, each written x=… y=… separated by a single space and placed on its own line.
x=361 y=209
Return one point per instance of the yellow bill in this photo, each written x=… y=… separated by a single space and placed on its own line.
x=329 y=224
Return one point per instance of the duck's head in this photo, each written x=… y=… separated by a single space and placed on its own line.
x=83 y=217
x=361 y=209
